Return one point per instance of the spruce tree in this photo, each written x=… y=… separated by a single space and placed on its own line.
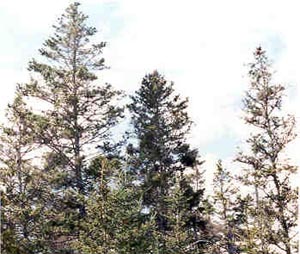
x=114 y=221
x=246 y=235
x=266 y=169
x=225 y=196
x=161 y=125
x=77 y=117
x=25 y=197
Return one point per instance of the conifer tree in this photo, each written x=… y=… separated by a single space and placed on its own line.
x=225 y=195
x=161 y=125
x=244 y=213
x=114 y=221
x=78 y=114
x=180 y=237
x=24 y=201
x=266 y=169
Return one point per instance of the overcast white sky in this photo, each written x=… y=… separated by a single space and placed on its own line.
x=202 y=46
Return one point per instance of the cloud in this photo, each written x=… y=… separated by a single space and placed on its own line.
x=202 y=46
x=32 y=15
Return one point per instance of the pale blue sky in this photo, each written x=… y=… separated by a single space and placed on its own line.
x=202 y=46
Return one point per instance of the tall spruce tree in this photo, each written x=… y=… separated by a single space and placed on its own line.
x=161 y=124
x=266 y=169
x=78 y=115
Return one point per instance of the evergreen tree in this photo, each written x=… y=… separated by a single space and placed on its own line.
x=78 y=115
x=267 y=171
x=176 y=239
x=24 y=201
x=114 y=221
x=244 y=212
x=181 y=236
x=161 y=125
x=225 y=195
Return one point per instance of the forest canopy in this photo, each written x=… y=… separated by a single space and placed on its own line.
x=71 y=184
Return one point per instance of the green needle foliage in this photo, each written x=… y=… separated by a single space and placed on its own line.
x=114 y=221
x=77 y=115
x=161 y=125
x=68 y=190
x=24 y=201
x=225 y=201
x=267 y=171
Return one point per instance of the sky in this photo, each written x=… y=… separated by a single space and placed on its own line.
x=203 y=46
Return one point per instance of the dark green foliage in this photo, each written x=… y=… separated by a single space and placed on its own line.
x=161 y=125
